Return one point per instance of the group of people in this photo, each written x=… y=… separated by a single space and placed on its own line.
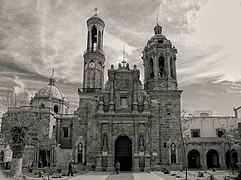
x=71 y=168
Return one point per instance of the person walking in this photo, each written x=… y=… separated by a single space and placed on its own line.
x=71 y=168
x=117 y=167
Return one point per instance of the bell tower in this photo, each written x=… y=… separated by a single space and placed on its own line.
x=159 y=56
x=94 y=56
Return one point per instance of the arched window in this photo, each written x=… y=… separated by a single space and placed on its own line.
x=151 y=69
x=99 y=65
x=42 y=106
x=172 y=68
x=161 y=67
x=56 y=109
x=99 y=43
x=173 y=153
x=80 y=153
x=94 y=38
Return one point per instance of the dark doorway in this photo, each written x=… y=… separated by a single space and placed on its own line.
x=123 y=153
x=43 y=158
x=212 y=159
x=234 y=159
x=193 y=159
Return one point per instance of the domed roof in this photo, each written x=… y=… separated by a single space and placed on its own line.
x=50 y=91
x=95 y=19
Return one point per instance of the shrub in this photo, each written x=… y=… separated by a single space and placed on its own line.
x=200 y=174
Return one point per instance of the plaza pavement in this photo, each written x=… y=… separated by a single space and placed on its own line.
x=155 y=175
x=114 y=176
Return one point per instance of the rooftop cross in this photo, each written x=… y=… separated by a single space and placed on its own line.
x=123 y=62
x=96 y=11
x=52 y=73
x=157 y=18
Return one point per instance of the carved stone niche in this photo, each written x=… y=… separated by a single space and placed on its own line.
x=123 y=101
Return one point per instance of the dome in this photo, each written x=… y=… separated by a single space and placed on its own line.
x=95 y=19
x=50 y=91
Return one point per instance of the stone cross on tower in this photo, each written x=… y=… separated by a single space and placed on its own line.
x=123 y=62
x=96 y=11
x=157 y=18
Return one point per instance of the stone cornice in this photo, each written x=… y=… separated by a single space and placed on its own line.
x=123 y=114
x=166 y=91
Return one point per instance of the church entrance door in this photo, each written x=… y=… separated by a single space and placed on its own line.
x=123 y=153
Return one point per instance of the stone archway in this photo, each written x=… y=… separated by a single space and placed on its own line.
x=44 y=158
x=123 y=153
x=212 y=159
x=193 y=159
x=233 y=157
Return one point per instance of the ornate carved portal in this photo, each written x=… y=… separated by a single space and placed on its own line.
x=123 y=153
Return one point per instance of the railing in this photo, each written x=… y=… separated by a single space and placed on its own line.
x=89 y=90
x=29 y=108
x=94 y=50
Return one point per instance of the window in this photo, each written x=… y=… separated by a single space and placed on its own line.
x=195 y=132
x=160 y=41
x=66 y=131
x=56 y=109
x=165 y=145
x=54 y=131
x=220 y=132
x=151 y=69
x=42 y=106
x=204 y=114
x=173 y=153
x=161 y=67
x=123 y=101
x=94 y=38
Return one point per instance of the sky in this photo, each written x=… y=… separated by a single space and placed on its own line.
x=39 y=35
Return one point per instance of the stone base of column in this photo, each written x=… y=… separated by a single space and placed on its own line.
x=98 y=169
x=136 y=169
x=147 y=169
x=110 y=168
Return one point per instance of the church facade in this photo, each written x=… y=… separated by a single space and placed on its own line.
x=123 y=122
x=120 y=120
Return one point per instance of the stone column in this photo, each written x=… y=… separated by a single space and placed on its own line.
x=147 y=148
x=135 y=104
x=136 y=167
x=83 y=154
x=58 y=130
x=99 y=155
x=110 y=157
x=75 y=154
x=155 y=66
x=98 y=162
x=203 y=157
x=111 y=104
x=110 y=163
x=168 y=66
x=136 y=137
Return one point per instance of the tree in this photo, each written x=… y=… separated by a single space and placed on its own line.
x=230 y=138
x=184 y=124
x=18 y=121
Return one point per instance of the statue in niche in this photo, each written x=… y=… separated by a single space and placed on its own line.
x=141 y=140
x=105 y=141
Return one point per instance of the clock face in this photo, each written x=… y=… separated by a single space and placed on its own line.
x=92 y=64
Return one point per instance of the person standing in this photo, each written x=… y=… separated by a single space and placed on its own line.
x=71 y=168
x=117 y=167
